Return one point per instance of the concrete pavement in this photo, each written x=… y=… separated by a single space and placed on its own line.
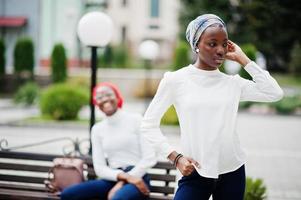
x=272 y=144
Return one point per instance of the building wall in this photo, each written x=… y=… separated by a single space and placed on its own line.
x=135 y=16
x=15 y=8
x=54 y=21
x=59 y=23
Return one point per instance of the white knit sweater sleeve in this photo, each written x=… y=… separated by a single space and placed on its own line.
x=150 y=126
x=99 y=160
x=263 y=88
x=148 y=159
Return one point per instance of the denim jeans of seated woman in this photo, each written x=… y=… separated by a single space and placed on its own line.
x=228 y=186
x=99 y=189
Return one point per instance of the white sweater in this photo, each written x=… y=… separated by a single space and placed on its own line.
x=118 y=139
x=207 y=103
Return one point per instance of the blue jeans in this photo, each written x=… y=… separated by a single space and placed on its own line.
x=99 y=189
x=227 y=186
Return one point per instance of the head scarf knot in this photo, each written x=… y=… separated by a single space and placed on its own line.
x=115 y=90
x=197 y=26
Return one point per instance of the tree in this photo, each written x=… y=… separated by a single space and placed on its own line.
x=24 y=57
x=275 y=25
x=106 y=58
x=271 y=25
x=190 y=9
x=295 y=64
x=181 y=57
x=2 y=57
x=59 y=63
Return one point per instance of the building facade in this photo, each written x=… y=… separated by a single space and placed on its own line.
x=19 y=19
x=49 y=22
x=138 y=20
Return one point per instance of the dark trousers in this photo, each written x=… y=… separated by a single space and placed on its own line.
x=99 y=189
x=229 y=186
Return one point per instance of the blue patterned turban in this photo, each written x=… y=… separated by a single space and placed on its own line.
x=197 y=26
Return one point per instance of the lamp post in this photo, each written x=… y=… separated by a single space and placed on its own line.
x=148 y=51
x=94 y=30
x=232 y=67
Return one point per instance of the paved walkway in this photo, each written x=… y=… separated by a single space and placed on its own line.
x=272 y=143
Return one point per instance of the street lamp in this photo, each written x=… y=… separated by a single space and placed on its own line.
x=231 y=67
x=94 y=30
x=148 y=51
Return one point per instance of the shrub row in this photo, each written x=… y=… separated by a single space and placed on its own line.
x=62 y=101
x=24 y=59
x=114 y=57
x=288 y=105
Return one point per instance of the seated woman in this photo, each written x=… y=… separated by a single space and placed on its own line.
x=116 y=140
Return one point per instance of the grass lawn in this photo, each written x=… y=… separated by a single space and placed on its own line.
x=288 y=80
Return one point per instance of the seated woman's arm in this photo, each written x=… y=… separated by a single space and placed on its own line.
x=99 y=161
x=148 y=158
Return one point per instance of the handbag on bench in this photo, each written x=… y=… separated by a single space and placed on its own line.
x=64 y=173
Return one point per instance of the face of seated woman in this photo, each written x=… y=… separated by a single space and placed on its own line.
x=106 y=100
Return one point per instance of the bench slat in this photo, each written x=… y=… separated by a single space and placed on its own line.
x=162 y=177
x=24 y=167
x=10 y=194
x=11 y=190
x=162 y=189
x=23 y=187
x=28 y=156
x=43 y=189
x=164 y=165
x=22 y=179
x=157 y=197
x=37 y=156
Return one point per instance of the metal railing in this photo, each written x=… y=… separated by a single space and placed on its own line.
x=75 y=148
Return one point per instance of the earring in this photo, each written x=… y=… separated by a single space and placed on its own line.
x=197 y=50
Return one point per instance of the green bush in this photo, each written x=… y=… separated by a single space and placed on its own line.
x=2 y=57
x=295 y=63
x=24 y=56
x=114 y=57
x=62 y=101
x=255 y=189
x=288 y=104
x=79 y=82
x=105 y=60
x=120 y=56
x=181 y=55
x=170 y=117
x=146 y=88
x=245 y=104
x=59 y=63
x=222 y=68
x=250 y=50
x=27 y=94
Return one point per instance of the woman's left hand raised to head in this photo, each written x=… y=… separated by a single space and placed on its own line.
x=236 y=54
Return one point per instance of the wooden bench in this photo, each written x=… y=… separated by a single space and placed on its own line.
x=22 y=176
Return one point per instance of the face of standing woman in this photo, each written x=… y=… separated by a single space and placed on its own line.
x=106 y=100
x=212 y=46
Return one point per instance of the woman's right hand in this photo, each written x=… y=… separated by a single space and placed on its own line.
x=187 y=165
x=139 y=183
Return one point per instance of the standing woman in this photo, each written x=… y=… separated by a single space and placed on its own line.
x=206 y=101
x=116 y=140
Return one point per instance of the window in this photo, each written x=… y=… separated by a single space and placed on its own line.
x=124 y=3
x=123 y=34
x=154 y=8
x=153 y=27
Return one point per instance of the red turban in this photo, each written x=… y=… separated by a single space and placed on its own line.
x=113 y=87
